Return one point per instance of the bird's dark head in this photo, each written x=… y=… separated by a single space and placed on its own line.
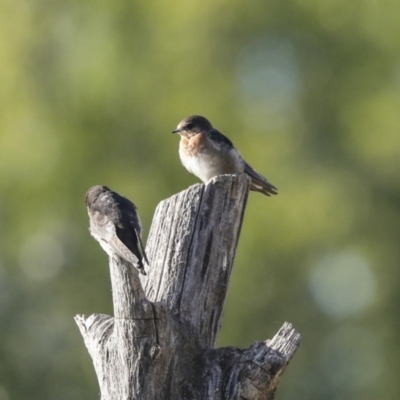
x=94 y=192
x=193 y=125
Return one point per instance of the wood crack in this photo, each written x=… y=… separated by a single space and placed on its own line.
x=190 y=248
x=155 y=323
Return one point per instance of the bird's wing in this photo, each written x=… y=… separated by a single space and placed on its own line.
x=139 y=239
x=136 y=225
x=122 y=250
x=124 y=244
x=219 y=140
x=258 y=182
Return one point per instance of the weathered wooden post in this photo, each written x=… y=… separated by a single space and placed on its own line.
x=160 y=342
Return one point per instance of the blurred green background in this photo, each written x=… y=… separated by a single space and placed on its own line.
x=310 y=94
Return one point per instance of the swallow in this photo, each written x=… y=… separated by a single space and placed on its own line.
x=206 y=152
x=115 y=224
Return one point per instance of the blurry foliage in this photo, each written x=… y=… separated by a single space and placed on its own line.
x=308 y=91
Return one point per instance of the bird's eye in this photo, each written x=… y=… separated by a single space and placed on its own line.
x=189 y=126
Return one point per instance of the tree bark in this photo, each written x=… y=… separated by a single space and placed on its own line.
x=160 y=342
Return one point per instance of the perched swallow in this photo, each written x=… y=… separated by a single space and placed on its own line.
x=206 y=153
x=115 y=224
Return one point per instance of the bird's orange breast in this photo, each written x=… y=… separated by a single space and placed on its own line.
x=193 y=145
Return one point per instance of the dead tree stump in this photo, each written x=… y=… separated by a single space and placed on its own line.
x=160 y=342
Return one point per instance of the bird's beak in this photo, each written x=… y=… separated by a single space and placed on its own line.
x=176 y=130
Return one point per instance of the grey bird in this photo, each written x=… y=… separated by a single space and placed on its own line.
x=206 y=152
x=115 y=224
